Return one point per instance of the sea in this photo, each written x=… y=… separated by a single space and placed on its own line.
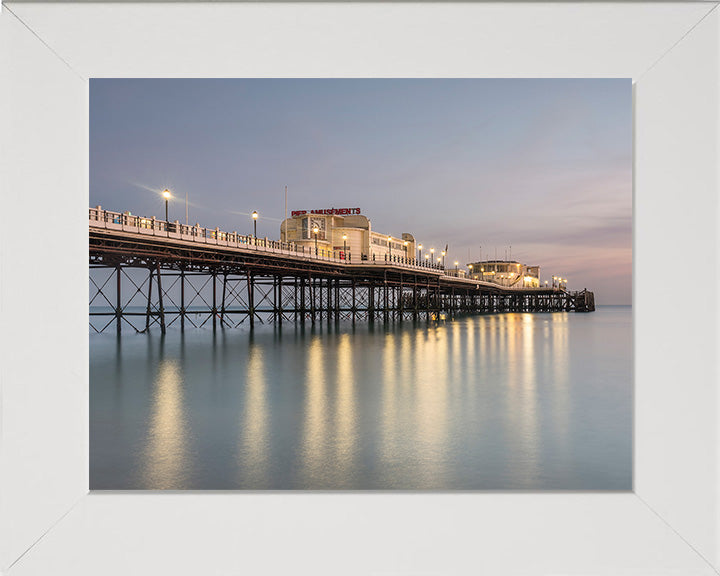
x=493 y=402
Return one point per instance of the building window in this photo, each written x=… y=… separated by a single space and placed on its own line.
x=307 y=228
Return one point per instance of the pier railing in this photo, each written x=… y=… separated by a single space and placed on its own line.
x=152 y=226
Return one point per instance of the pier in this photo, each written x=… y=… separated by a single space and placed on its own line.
x=146 y=272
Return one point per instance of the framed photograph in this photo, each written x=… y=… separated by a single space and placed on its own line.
x=295 y=341
x=666 y=523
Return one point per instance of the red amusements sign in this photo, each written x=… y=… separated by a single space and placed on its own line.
x=328 y=211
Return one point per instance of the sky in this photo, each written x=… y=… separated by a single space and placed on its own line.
x=543 y=166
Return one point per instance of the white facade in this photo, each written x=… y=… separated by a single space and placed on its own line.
x=348 y=235
x=509 y=273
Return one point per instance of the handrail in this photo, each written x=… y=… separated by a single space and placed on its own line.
x=127 y=222
x=142 y=225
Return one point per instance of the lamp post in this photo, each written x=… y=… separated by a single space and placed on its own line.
x=406 y=247
x=420 y=252
x=166 y=195
x=456 y=267
x=315 y=232
x=427 y=258
x=470 y=267
x=345 y=246
x=443 y=257
x=389 y=238
x=438 y=262
x=432 y=254
x=255 y=217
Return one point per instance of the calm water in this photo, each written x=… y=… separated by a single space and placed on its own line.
x=498 y=402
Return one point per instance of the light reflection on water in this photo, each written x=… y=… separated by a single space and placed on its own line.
x=166 y=444
x=252 y=458
x=497 y=402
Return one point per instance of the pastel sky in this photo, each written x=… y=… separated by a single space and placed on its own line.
x=542 y=165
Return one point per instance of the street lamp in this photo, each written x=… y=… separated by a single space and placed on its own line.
x=389 y=238
x=315 y=232
x=443 y=257
x=345 y=245
x=254 y=217
x=427 y=258
x=470 y=266
x=456 y=266
x=419 y=251
x=406 y=246
x=166 y=195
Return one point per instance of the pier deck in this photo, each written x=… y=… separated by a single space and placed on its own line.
x=191 y=275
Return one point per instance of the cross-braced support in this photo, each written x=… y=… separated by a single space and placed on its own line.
x=161 y=293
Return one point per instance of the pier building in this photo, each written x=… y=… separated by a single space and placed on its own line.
x=509 y=273
x=344 y=231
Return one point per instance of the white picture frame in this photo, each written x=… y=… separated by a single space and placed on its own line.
x=50 y=523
